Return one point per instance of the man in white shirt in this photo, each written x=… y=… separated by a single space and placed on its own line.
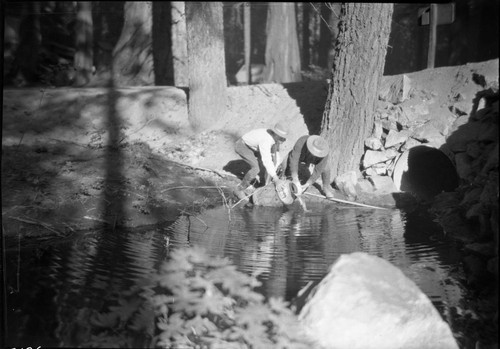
x=264 y=144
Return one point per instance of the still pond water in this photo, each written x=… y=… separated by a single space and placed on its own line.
x=50 y=289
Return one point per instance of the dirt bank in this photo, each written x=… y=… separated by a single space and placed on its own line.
x=73 y=158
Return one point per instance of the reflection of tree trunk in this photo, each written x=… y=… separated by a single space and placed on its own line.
x=276 y=284
x=207 y=68
x=179 y=45
x=282 y=50
x=357 y=69
x=132 y=55
x=84 y=55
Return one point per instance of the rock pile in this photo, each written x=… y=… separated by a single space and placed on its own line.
x=465 y=128
x=403 y=121
x=474 y=144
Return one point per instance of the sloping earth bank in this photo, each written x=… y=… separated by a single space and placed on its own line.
x=70 y=155
x=75 y=159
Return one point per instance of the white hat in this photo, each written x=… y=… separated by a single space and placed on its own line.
x=317 y=146
x=281 y=129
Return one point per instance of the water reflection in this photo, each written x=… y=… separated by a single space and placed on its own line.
x=65 y=290
x=63 y=287
x=290 y=247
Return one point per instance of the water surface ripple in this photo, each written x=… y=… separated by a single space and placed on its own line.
x=54 y=290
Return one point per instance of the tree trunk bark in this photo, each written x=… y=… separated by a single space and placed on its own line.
x=179 y=45
x=282 y=47
x=207 y=68
x=132 y=55
x=358 y=66
x=84 y=54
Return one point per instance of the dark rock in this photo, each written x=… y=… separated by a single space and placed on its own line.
x=492 y=266
x=463 y=164
x=471 y=196
x=483 y=249
x=474 y=150
x=475 y=268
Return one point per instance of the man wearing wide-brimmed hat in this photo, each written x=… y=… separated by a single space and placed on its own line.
x=264 y=144
x=307 y=151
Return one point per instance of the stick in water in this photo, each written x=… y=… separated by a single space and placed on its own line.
x=346 y=202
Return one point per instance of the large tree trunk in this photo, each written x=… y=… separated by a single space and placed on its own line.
x=207 y=73
x=358 y=66
x=84 y=54
x=179 y=45
x=282 y=47
x=132 y=55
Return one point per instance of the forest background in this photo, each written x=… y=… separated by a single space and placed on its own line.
x=45 y=41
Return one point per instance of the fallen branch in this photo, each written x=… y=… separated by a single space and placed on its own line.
x=192 y=187
x=205 y=169
x=140 y=128
x=190 y=214
x=95 y=219
x=42 y=224
x=131 y=192
x=254 y=192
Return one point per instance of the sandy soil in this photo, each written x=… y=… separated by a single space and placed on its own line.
x=70 y=155
x=74 y=159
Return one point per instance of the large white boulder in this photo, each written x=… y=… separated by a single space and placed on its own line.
x=365 y=302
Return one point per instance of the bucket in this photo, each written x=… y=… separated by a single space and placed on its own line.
x=286 y=191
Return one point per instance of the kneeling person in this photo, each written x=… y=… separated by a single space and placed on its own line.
x=264 y=144
x=310 y=150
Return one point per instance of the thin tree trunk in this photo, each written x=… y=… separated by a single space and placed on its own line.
x=26 y=58
x=335 y=8
x=306 y=35
x=324 y=35
x=431 y=54
x=179 y=44
x=162 y=43
x=282 y=50
x=133 y=53
x=358 y=66
x=247 y=39
x=207 y=68
x=84 y=54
